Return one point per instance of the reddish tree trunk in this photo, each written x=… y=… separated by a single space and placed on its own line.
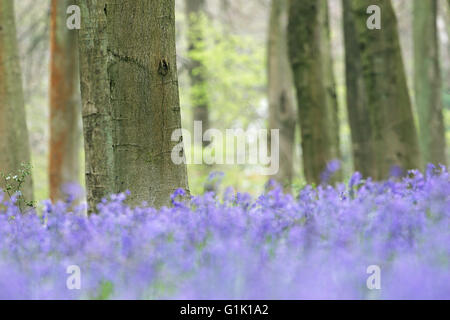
x=65 y=110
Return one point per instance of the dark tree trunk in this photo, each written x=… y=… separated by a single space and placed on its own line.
x=197 y=71
x=316 y=116
x=376 y=80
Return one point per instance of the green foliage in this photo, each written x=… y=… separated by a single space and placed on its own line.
x=106 y=290
x=12 y=186
x=233 y=67
x=235 y=72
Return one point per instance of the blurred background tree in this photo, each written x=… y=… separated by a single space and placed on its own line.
x=14 y=138
x=281 y=94
x=65 y=104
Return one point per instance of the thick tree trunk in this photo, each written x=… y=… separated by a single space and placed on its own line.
x=65 y=111
x=197 y=71
x=130 y=99
x=428 y=82
x=307 y=59
x=282 y=104
x=14 y=143
x=393 y=137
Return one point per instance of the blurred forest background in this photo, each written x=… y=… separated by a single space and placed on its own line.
x=222 y=67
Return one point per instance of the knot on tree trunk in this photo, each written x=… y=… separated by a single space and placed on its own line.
x=164 y=67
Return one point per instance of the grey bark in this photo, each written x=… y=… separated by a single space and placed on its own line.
x=130 y=99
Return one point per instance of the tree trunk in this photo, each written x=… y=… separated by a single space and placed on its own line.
x=307 y=60
x=357 y=104
x=446 y=63
x=329 y=80
x=195 y=9
x=282 y=102
x=65 y=111
x=130 y=99
x=428 y=82
x=380 y=83
x=14 y=143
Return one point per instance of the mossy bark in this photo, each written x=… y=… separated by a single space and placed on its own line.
x=14 y=143
x=379 y=77
x=282 y=103
x=305 y=39
x=131 y=106
x=65 y=104
x=329 y=81
x=428 y=82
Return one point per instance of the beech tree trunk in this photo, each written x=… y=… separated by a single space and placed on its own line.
x=65 y=106
x=282 y=103
x=379 y=78
x=428 y=82
x=197 y=71
x=316 y=116
x=14 y=143
x=131 y=106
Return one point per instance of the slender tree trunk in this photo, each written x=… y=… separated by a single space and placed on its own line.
x=393 y=135
x=307 y=60
x=446 y=63
x=130 y=99
x=357 y=104
x=14 y=143
x=282 y=102
x=65 y=111
x=195 y=9
x=329 y=80
x=428 y=82
x=225 y=12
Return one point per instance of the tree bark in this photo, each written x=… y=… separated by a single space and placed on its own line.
x=380 y=80
x=357 y=104
x=65 y=107
x=282 y=104
x=195 y=9
x=428 y=82
x=446 y=63
x=14 y=142
x=315 y=116
x=329 y=80
x=130 y=99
